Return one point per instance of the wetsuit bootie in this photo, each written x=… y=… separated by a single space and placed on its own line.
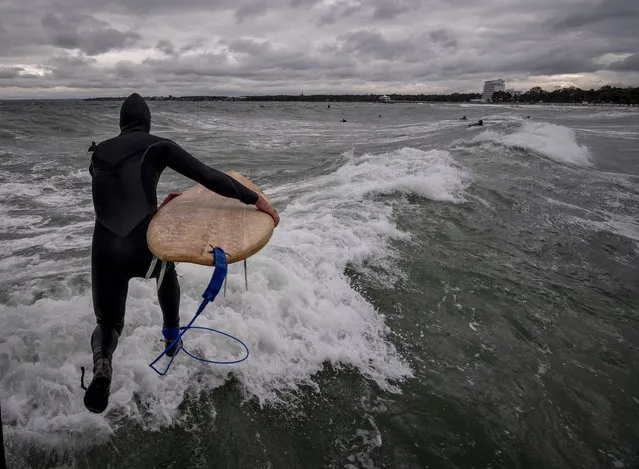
x=170 y=334
x=96 y=397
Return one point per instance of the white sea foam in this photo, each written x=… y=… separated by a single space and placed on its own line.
x=431 y=174
x=599 y=113
x=553 y=141
x=299 y=312
x=618 y=224
x=616 y=134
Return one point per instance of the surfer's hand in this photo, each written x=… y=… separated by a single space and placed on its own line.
x=169 y=197
x=263 y=205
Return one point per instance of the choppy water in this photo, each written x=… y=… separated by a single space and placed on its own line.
x=435 y=296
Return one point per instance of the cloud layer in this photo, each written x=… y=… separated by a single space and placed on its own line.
x=89 y=48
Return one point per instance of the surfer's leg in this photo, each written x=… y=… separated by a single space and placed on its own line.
x=169 y=299
x=109 y=287
x=109 y=301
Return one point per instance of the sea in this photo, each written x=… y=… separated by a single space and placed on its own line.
x=435 y=296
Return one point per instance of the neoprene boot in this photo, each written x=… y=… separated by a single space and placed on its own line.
x=96 y=398
x=170 y=334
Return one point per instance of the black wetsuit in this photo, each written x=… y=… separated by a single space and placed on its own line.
x=125 y=172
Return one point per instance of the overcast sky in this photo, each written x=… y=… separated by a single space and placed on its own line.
x=85 y=48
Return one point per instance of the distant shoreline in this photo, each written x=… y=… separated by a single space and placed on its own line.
x=617 y=97
x=366 y=98
x=604 y=96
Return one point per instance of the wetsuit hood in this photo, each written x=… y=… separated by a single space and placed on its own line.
x=135 y=114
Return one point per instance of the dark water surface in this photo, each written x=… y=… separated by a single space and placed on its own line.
x=435 y=296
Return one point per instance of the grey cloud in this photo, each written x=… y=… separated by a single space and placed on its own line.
x=629 y=64
x=615 y=20
x=201 y=47
x=391 y=9
x=12 y=72
x=604 y=11
x=19 y=38
x=339 y=12
x=250 y=9
x=126 y=69
x=373 y=45
x=441 y=36
x=249 y=46
x=304 y=3
x=85 y=33
x=534 y=62
x=66 y=60
x=165 y=46
x=263 y=64
x=378 y=10
x=65 y=65
x=144 y=8
x=201 y=64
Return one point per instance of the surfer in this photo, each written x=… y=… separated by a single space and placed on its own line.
x=125 y=171
x=463 y=118
x=92 y=147
x=479 y=123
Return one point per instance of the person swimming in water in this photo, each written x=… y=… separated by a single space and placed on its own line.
x=479 y=123
x=125 y=171
x=92 y=147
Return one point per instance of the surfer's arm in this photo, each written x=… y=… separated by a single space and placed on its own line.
x=178 y=159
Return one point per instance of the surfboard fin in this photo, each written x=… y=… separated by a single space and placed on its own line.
x=161 y=277
x=149 y=272
x=151 y=267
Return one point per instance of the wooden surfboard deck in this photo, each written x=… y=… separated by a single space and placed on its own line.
x=185 y=228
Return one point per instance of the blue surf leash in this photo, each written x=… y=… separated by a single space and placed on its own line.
x=215 y=284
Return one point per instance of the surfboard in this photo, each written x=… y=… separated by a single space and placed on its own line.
x=186 y=227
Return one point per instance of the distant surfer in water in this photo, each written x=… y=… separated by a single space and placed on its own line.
x=125 y=172
x=479 y=123
x=92 y=147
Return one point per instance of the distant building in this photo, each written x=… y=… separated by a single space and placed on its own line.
x=492 y=86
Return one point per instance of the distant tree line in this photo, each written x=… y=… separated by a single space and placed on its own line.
x=604 y=95
x=366 y=98
x=371 y=98
x=164 y=98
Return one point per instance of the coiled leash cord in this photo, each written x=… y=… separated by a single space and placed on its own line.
x=215 y=284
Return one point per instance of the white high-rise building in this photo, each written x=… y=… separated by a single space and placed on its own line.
x=490 y=87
